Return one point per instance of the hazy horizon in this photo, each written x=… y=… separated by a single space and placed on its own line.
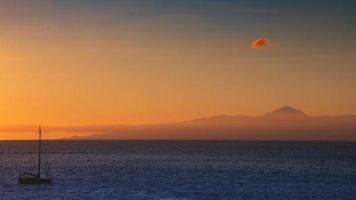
x=284 y=123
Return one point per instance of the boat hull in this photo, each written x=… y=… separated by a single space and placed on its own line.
x=35 y=180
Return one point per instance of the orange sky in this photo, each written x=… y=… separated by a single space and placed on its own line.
x=67 y=65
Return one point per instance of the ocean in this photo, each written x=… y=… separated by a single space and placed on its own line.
x=177 y=170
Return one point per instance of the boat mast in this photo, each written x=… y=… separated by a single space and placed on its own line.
x=39 y=150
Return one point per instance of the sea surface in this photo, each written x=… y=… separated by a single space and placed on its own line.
x=177 y=170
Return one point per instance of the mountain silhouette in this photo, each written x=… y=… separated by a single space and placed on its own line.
x=285 y=123
x=286 y=113
x=287 y=110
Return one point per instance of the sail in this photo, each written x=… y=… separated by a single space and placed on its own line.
x=29 y=178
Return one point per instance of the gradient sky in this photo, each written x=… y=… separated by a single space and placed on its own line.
x=74 y=62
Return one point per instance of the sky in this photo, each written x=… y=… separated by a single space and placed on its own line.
x=76 y=62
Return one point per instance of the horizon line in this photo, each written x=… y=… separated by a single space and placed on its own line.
x=26 y=126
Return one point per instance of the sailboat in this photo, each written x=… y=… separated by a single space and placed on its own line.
x=29 y=178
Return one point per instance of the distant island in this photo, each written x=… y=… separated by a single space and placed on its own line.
x=285 y=123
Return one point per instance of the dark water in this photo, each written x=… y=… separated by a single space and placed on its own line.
x=183 y=170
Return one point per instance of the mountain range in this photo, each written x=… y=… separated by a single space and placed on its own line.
x=285 y=123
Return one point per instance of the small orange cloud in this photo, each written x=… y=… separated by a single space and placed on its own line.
x=260 y=43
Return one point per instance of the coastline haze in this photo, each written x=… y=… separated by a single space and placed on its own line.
x=285 y=123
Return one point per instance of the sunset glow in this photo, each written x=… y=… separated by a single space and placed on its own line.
x=73 y=63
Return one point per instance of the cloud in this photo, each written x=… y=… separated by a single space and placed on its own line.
x=260 y=43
